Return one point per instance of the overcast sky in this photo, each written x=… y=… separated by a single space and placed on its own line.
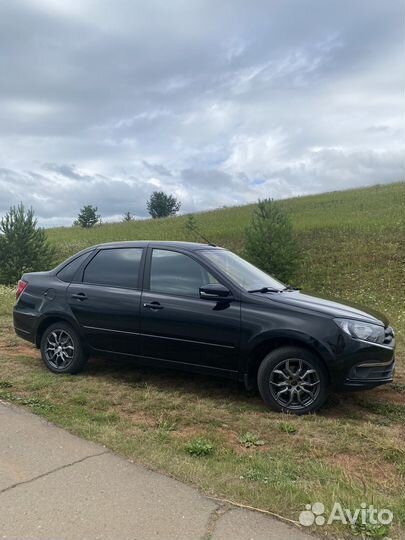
x=218 y=102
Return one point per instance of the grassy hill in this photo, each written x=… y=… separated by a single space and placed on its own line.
x=353 y=241
x=351 y=452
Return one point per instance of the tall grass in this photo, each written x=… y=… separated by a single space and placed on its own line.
x=367 y=210
x=353 y=241
x=7 y=299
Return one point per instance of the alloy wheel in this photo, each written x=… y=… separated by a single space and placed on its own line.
x=294 y=383
x=59 y=349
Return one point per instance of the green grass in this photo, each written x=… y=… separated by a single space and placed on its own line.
x=250 y=440
x=7 y=299
x=287 y=427
x=364 y=210
x=199 y=447
x=351 y=452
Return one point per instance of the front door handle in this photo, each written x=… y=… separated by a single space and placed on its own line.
x=153 y=305
x=79 y=296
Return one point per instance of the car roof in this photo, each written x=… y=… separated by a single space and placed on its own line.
x=190 y=246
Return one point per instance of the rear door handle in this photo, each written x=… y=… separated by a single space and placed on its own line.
x=79 y=296
x=153 y=305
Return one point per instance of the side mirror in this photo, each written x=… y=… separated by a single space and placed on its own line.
x=215 y=291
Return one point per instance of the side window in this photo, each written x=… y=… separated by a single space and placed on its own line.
x=176 y=273
x=116 y=267
x=68 y=271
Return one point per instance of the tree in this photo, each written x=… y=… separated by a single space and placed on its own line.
x=87 y=217
x=23 y=245
x=192 y=228
x=270 y=241
x=162 y=205
x=127 y=216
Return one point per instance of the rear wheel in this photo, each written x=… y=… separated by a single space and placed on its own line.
x=292 y=380
x=61 y=349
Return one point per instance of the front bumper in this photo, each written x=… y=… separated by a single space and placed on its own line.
x=364 y=364
x=369 y=374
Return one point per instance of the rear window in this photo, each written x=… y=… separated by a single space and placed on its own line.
x=118 y=267
x=68 y=272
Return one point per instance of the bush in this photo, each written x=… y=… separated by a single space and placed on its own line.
x=270 y=241
x=23 y=246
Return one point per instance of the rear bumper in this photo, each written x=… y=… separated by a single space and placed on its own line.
x=25 y=324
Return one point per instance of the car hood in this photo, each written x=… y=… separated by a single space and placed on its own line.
x=328 y=306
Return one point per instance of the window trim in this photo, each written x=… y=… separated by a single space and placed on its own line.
x=148 y=268
x=138 y=286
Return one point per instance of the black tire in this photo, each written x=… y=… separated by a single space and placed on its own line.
x=282 y=385
x=62 y=350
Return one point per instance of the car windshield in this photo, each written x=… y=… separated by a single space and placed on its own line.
x=243 y=273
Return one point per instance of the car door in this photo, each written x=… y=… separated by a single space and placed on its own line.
x=106 y=303
x=177 y=325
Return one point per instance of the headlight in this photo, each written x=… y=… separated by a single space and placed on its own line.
x=360 y=330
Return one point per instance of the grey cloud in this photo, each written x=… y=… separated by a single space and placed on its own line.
x=157 y=168
x=206 y=179
x=65 y=170
x=104 y=102
x=379 y=129
x=340 y=169
x=61 y=198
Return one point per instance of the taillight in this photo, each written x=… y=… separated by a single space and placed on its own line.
x=20 y=288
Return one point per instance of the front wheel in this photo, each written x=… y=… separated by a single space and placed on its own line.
x=292 y=380
x=62 y=350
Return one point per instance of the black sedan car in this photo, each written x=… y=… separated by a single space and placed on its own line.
x=202 y=308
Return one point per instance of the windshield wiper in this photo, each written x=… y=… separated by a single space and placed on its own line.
x=264 y=290
x=289 y=288
x=273 y=289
